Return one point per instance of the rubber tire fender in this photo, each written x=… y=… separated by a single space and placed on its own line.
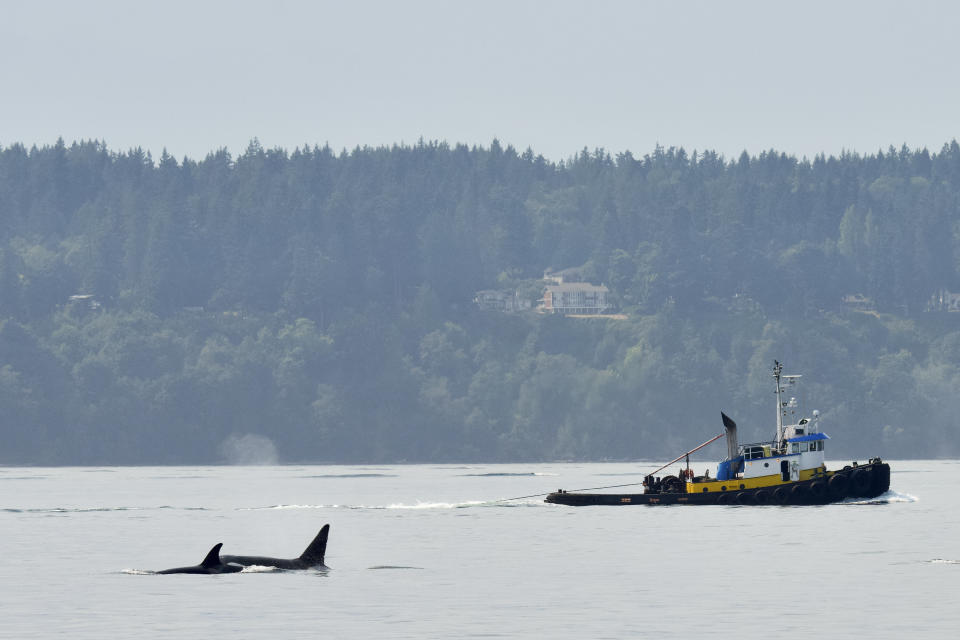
x=859 y=482
x=839 y=484
x=798 y=494
x=671 y=484
x=818 y=489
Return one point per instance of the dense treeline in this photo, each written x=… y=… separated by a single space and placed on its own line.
x=321 y=302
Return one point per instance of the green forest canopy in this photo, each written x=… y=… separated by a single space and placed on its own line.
x=155 y=311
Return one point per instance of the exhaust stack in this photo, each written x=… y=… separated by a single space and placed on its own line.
x=731 y=427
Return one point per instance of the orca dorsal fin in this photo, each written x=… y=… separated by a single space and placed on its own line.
x=317 y=549
x=213 y=558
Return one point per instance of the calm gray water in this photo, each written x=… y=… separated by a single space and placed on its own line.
x=414 y=553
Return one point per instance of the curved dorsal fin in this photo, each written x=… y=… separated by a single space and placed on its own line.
x=213 y=558
x=317 y=549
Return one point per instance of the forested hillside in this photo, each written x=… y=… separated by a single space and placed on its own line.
x=318 y=304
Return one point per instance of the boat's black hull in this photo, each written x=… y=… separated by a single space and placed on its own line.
x=864 y=481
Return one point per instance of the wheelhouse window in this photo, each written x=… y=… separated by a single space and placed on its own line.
x=753 y=453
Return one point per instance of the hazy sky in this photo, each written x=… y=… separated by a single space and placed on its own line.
x=801 y=77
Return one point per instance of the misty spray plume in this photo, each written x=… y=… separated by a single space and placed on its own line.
x=248 y=449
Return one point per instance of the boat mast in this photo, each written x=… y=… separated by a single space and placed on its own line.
x=777 y=368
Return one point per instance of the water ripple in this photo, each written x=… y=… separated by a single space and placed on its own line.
x=97 y=509
x=398 y=505
x=353 y=475
x=505 y=474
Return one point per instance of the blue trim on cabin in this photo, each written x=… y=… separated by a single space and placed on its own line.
x=810 y=437
x=782 y=455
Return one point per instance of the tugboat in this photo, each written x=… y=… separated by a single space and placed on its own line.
x=788 y=470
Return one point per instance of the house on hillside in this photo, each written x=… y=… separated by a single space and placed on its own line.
x=858 y=302
x=559 y=276
x=943 y=300
x=575 y=297
x=84 y=301
x=500 y=300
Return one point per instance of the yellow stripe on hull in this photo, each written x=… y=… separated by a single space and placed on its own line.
x=736 y=484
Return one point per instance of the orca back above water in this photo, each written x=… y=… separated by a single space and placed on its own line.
x=211 y=564
x=311 y=558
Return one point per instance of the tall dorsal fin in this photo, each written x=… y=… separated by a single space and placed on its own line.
x=213 y=558
x=317 y=549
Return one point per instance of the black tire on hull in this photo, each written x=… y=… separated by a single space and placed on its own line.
x=762 y=496
x=745 y=498
x=798 y=494
x=818 y=490
x=781 y=495
x=859 y=482
x=671 y=484
x=839 y=485
x=723 y=498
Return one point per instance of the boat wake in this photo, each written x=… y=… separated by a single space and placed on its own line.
x=943 y=561
x=402 y=506
x=430 y=505
x=293 y=506
x=59 y=510
x=884 y=498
